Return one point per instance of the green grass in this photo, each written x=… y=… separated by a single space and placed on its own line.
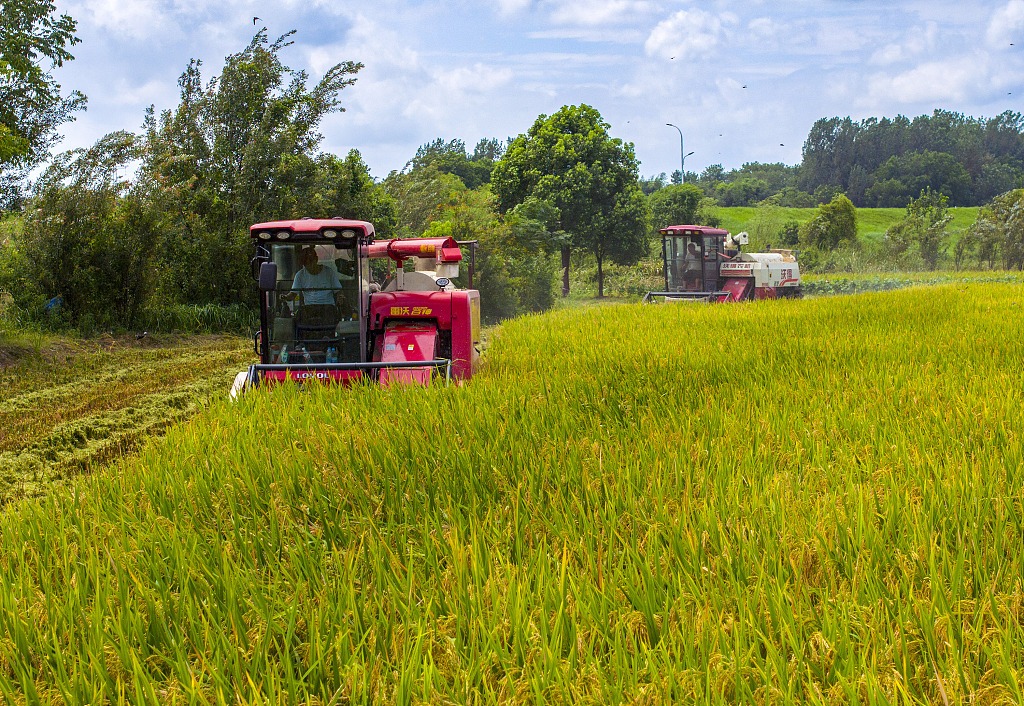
x=811 y=501
x=872 y=223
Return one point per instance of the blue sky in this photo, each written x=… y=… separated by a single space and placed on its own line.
x=743 y=79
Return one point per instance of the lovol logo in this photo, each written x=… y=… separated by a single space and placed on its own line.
x=315 y=375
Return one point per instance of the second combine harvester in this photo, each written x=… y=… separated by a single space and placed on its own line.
x=706 y=264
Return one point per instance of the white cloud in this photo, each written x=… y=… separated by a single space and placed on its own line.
x=507 y=8
x=597 y=12
x=919 y=40
x=472 y=80
x=687 y=33
x=766 y=28
x=376 y=45
x=136 y=19
x=1007 y=22
x=936 y=81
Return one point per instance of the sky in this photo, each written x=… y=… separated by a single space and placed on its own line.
x=743 y=80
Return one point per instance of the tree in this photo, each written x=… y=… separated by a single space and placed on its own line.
x=922 y=229
x=514 y=267
x=744 y=191
x=421 y=195
x=833 y=225
x=916 y=171
x=240 y=150
x=649 y=185
x=676 y=204
x=343 y=188
x=33 y=42
x=89 y=235
x=570 y=161
x=999 y=230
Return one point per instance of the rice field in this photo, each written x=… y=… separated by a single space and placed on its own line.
x=814 y=501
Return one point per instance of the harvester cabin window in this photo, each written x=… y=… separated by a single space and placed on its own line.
x=710 y=247
x=316 y=302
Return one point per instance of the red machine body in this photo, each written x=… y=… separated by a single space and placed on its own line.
x=322 y=317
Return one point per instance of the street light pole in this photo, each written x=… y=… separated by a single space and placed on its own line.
x=682 y=155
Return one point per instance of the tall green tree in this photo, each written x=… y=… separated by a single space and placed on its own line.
x=451 y=158
x=922 y=230
x=242 y=149
x=591 y=178
x=677 y=204
x=89 y=235
x=999 y=230
x=34 y=41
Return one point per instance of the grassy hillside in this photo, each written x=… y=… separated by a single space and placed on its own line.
x=871 y=222
x=784 y=502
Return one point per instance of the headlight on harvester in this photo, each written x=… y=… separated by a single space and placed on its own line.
x=348 y=233
x=330 y=233
x=264 y=235
x=283 y=234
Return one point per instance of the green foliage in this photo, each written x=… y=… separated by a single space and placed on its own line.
x=677 y=204
x=514 y=266
x=834 y=224
x=998 y=234
x=33 y=42
x=420 y=195
x=344 y=188
x=887 y=162
x=88 y=236
x=570 y=161
x=789 y=233
x=899 y=178
x=243 y=150
x=923 y=231
x=649 y=185
x=451 y=158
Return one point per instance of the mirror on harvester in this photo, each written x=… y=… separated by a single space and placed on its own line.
x=268 y=276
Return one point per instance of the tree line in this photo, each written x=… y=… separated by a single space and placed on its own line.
x=141 y=223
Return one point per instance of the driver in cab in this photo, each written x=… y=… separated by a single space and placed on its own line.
x=319 y=288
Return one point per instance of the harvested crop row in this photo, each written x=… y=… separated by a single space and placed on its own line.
x=101 y=406
x=785 y=502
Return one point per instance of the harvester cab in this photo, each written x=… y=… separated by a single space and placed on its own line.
x=707 y=264
x=322 y=317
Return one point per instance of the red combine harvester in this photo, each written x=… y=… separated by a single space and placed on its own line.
x=322 y=318
x=706 y=264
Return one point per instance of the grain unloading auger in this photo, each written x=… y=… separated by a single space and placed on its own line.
x=706 y=264
x=322 y=318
